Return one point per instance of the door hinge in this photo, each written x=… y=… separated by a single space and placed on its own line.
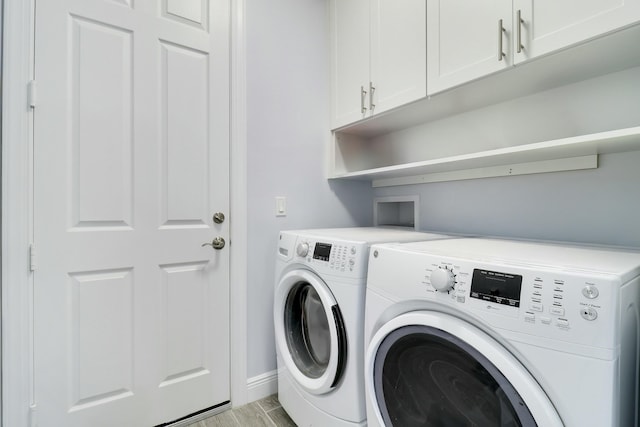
x=33 y=418
x=33 y=260
x=32 y=93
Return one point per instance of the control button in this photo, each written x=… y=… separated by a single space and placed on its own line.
x=353 y=250
x=351 y=263
x=442 y=279
x=460 y=298
x=536 y=306
x=530 y=317
x=537 y=293
x=590 y=292
x=538 y=300
x=563 y=322
x=589 y=314
x=557 y=311
x=545 y=320
x=302 y=249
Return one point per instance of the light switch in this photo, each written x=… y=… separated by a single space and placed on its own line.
x=281 y=206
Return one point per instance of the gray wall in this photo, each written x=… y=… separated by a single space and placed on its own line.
x=287 y=132
x=288 y=122
x=599 y=206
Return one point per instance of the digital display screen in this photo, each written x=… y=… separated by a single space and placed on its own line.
x=322 y=251
x=494 y=286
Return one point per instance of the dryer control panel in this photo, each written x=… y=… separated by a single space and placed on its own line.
x=333 y=257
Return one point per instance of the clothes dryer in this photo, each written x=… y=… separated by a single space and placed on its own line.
x=319 y=321
x=491 y=332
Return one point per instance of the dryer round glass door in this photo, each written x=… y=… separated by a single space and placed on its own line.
x=310 y=331
x=437 y=370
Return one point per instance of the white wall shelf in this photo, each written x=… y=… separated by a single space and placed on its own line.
x=578 y=152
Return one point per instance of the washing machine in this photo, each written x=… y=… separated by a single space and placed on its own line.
x=489 y=332
x=319 y=321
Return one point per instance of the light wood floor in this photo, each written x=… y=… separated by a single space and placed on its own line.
x=264 y=413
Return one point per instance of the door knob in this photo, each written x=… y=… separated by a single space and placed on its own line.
x=218 y=217
x=217 y=243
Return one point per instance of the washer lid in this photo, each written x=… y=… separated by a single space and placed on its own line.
x=623 y=263
x=366 y=235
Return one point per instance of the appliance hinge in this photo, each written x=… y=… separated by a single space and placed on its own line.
x=32 y=258
x=32 y=93
x=33 y=418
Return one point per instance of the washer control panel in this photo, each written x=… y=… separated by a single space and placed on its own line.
x=572 y=306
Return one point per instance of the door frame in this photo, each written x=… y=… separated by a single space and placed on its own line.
x=17 y=212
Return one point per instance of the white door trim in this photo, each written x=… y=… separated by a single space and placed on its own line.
x=17 y=216
x=17 y=223
x=238 y=206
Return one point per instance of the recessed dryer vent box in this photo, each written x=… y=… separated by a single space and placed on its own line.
x=397 y=211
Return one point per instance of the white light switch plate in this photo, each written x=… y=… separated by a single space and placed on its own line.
x=281 y=206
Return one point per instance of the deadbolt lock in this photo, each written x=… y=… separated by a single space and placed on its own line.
x=218 y=217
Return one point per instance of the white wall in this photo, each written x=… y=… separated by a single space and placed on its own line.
x=287 y=130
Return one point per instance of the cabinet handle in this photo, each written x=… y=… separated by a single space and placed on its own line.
x=372 y=89
x=520 y=22
x=501 y=31
x=363 y=95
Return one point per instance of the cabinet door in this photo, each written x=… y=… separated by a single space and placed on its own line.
x=463 y=41
x=548 y=26
x=349 y=60
x=398 y=53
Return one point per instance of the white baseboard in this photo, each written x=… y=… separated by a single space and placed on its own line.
x=262 y=385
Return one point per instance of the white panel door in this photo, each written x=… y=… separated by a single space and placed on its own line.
x=398 y=53
x=131 y=155
x=463 y=41
x=349 y=61
x=548 y=26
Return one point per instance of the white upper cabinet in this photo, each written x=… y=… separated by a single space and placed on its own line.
x=349 y=60
x=466 y=40
x=547 y=26
x=398 y=52
x=378 y=56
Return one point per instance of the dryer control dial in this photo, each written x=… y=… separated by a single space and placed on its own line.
x=442 y=279
x=302 y=249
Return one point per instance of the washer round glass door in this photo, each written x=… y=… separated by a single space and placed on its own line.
x=433 y=369
x=310 y=332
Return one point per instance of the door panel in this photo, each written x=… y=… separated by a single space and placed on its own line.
x=185 y=162
x=102 y=151
x=130 y=162
x=185 y=353
x=101 y=338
